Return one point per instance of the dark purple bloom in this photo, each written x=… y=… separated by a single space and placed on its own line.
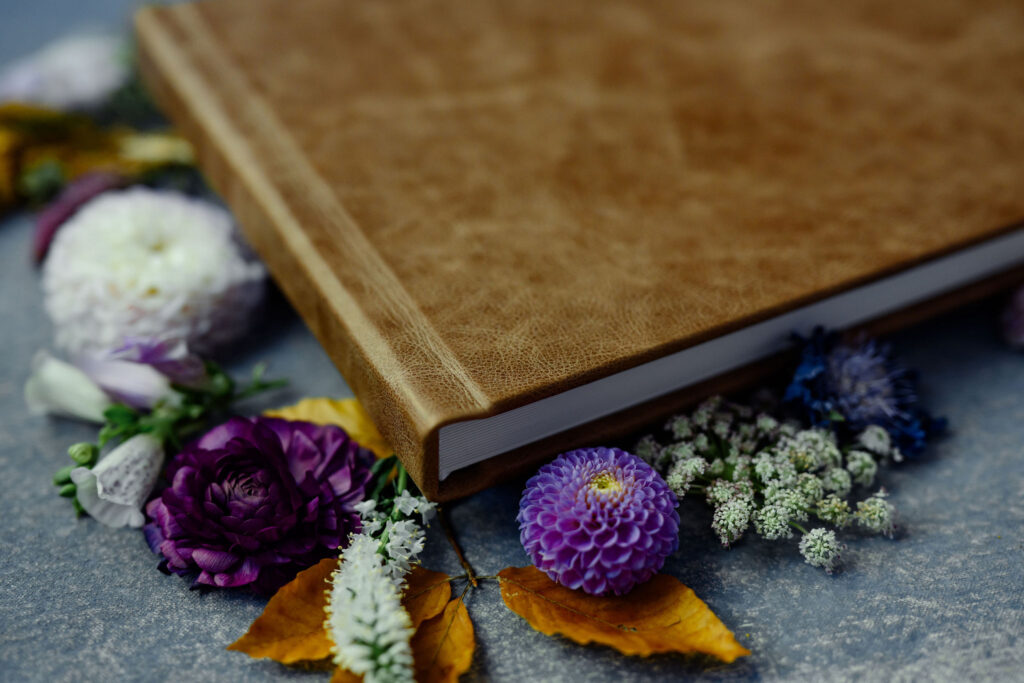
x=253 y=502
x=849 y=387
x=599 y=519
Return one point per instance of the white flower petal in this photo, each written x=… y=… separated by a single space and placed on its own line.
x=115 y=490
x=151 y=264
x=75 y=72
x=59 y=388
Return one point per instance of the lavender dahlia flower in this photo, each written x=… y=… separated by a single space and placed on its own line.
x=599 y=519
x=255 y=501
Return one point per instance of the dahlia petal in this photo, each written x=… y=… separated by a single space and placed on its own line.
x=627 y=534
x=614 y=556
x=580 y=540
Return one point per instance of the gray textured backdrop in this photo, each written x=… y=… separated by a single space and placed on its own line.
x=944 y=600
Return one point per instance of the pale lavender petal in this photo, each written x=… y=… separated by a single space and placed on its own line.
x=140 y=386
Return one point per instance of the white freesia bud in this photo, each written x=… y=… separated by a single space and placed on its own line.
x=60 y=388
x=114 y=491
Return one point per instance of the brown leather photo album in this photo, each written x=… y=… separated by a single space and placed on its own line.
x=518 y=227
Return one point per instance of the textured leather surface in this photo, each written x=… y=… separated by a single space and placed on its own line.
x=475 y=205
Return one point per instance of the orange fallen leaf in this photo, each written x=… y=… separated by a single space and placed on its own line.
x=426 y=599
x=443 y=647
x=426 y=594
x=661 y=615
x=291 y=628
x=345 y=676
x=347 y=413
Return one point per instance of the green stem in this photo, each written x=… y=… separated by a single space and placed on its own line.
x=258 y=388
x=797 y=527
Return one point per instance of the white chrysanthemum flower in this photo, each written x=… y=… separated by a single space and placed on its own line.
x=76 y=72
x=151 y=264
x=370 y=628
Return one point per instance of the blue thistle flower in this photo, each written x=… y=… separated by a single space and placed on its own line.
x=848 y=387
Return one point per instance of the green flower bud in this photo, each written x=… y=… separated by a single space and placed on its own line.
x=68 y=491
x=84 y=453
x=63 y=476
x=220 y=385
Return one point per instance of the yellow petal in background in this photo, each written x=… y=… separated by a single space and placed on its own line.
x=347 y=413
x=661 y=615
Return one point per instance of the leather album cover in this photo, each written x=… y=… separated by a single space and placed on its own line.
x=480 y=205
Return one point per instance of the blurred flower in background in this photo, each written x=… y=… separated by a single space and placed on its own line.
x=78 y=71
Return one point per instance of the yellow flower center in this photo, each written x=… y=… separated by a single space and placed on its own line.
x=605 y=482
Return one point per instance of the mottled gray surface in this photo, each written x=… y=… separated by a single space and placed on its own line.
x=944 y=600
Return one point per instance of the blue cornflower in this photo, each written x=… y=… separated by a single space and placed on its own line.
x=849 y=387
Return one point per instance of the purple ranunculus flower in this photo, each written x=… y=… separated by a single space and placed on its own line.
x=599 y=519
x=255 y=501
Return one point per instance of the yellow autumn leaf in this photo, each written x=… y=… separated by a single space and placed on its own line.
x=345 y=676
x=347 y=413
x=291 y=628
x=443 y=647
x=661 y=615
x=426 y=594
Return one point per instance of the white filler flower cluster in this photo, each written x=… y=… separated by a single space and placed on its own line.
x=152 y=264
x=370 y=628
x=758 y=472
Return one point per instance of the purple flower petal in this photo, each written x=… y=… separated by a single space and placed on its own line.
x=599 y=519
x=252 y=502
x=75 y=195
